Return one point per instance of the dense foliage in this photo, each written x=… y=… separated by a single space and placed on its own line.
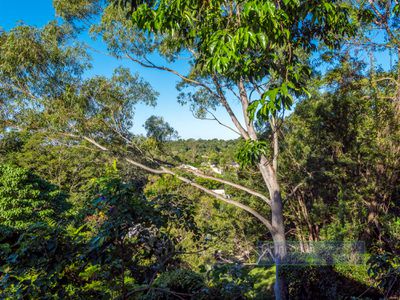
x=80 y=216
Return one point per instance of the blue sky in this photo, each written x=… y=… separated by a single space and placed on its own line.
x=38 y=13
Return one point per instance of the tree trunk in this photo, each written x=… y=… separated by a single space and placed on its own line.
x=397 y=99
x=278 y=234
x=280 y=247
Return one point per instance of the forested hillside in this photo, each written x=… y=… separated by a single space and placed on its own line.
x=89 y=210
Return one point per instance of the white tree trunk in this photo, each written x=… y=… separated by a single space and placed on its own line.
x=278 y=233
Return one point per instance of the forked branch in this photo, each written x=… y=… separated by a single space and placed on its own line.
x=164 y=170
x=235 y=185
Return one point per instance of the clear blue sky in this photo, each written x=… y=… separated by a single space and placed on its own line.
x=38 y=13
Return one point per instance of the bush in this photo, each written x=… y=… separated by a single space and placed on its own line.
x=183 y=283
x=325 y=282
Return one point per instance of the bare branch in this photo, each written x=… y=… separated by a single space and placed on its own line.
x=151 y=65
x=164 y=170
x=245 y=104
x=92 y=141
x=229 y=201
x=229 y=110
x=295 y=189
x=275 y=143
x=214 y=118
x=387 y=78
x=235 y=185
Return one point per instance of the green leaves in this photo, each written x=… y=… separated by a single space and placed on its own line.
x=160 y=130
x=272 y=101
x=26 y=199
x=250 y=152
x=231 y=48
x=70 y=10
x=40 y=78
x=396 y=9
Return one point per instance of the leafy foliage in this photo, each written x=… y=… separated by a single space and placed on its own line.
x=77 y=223
x=385 y=268
x=26 y=199
x=160 y=130
x=251 y=151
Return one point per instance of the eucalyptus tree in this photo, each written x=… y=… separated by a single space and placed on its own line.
x=255 y=51
x=158 y=129
x=43 y=94
x=42 y=87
